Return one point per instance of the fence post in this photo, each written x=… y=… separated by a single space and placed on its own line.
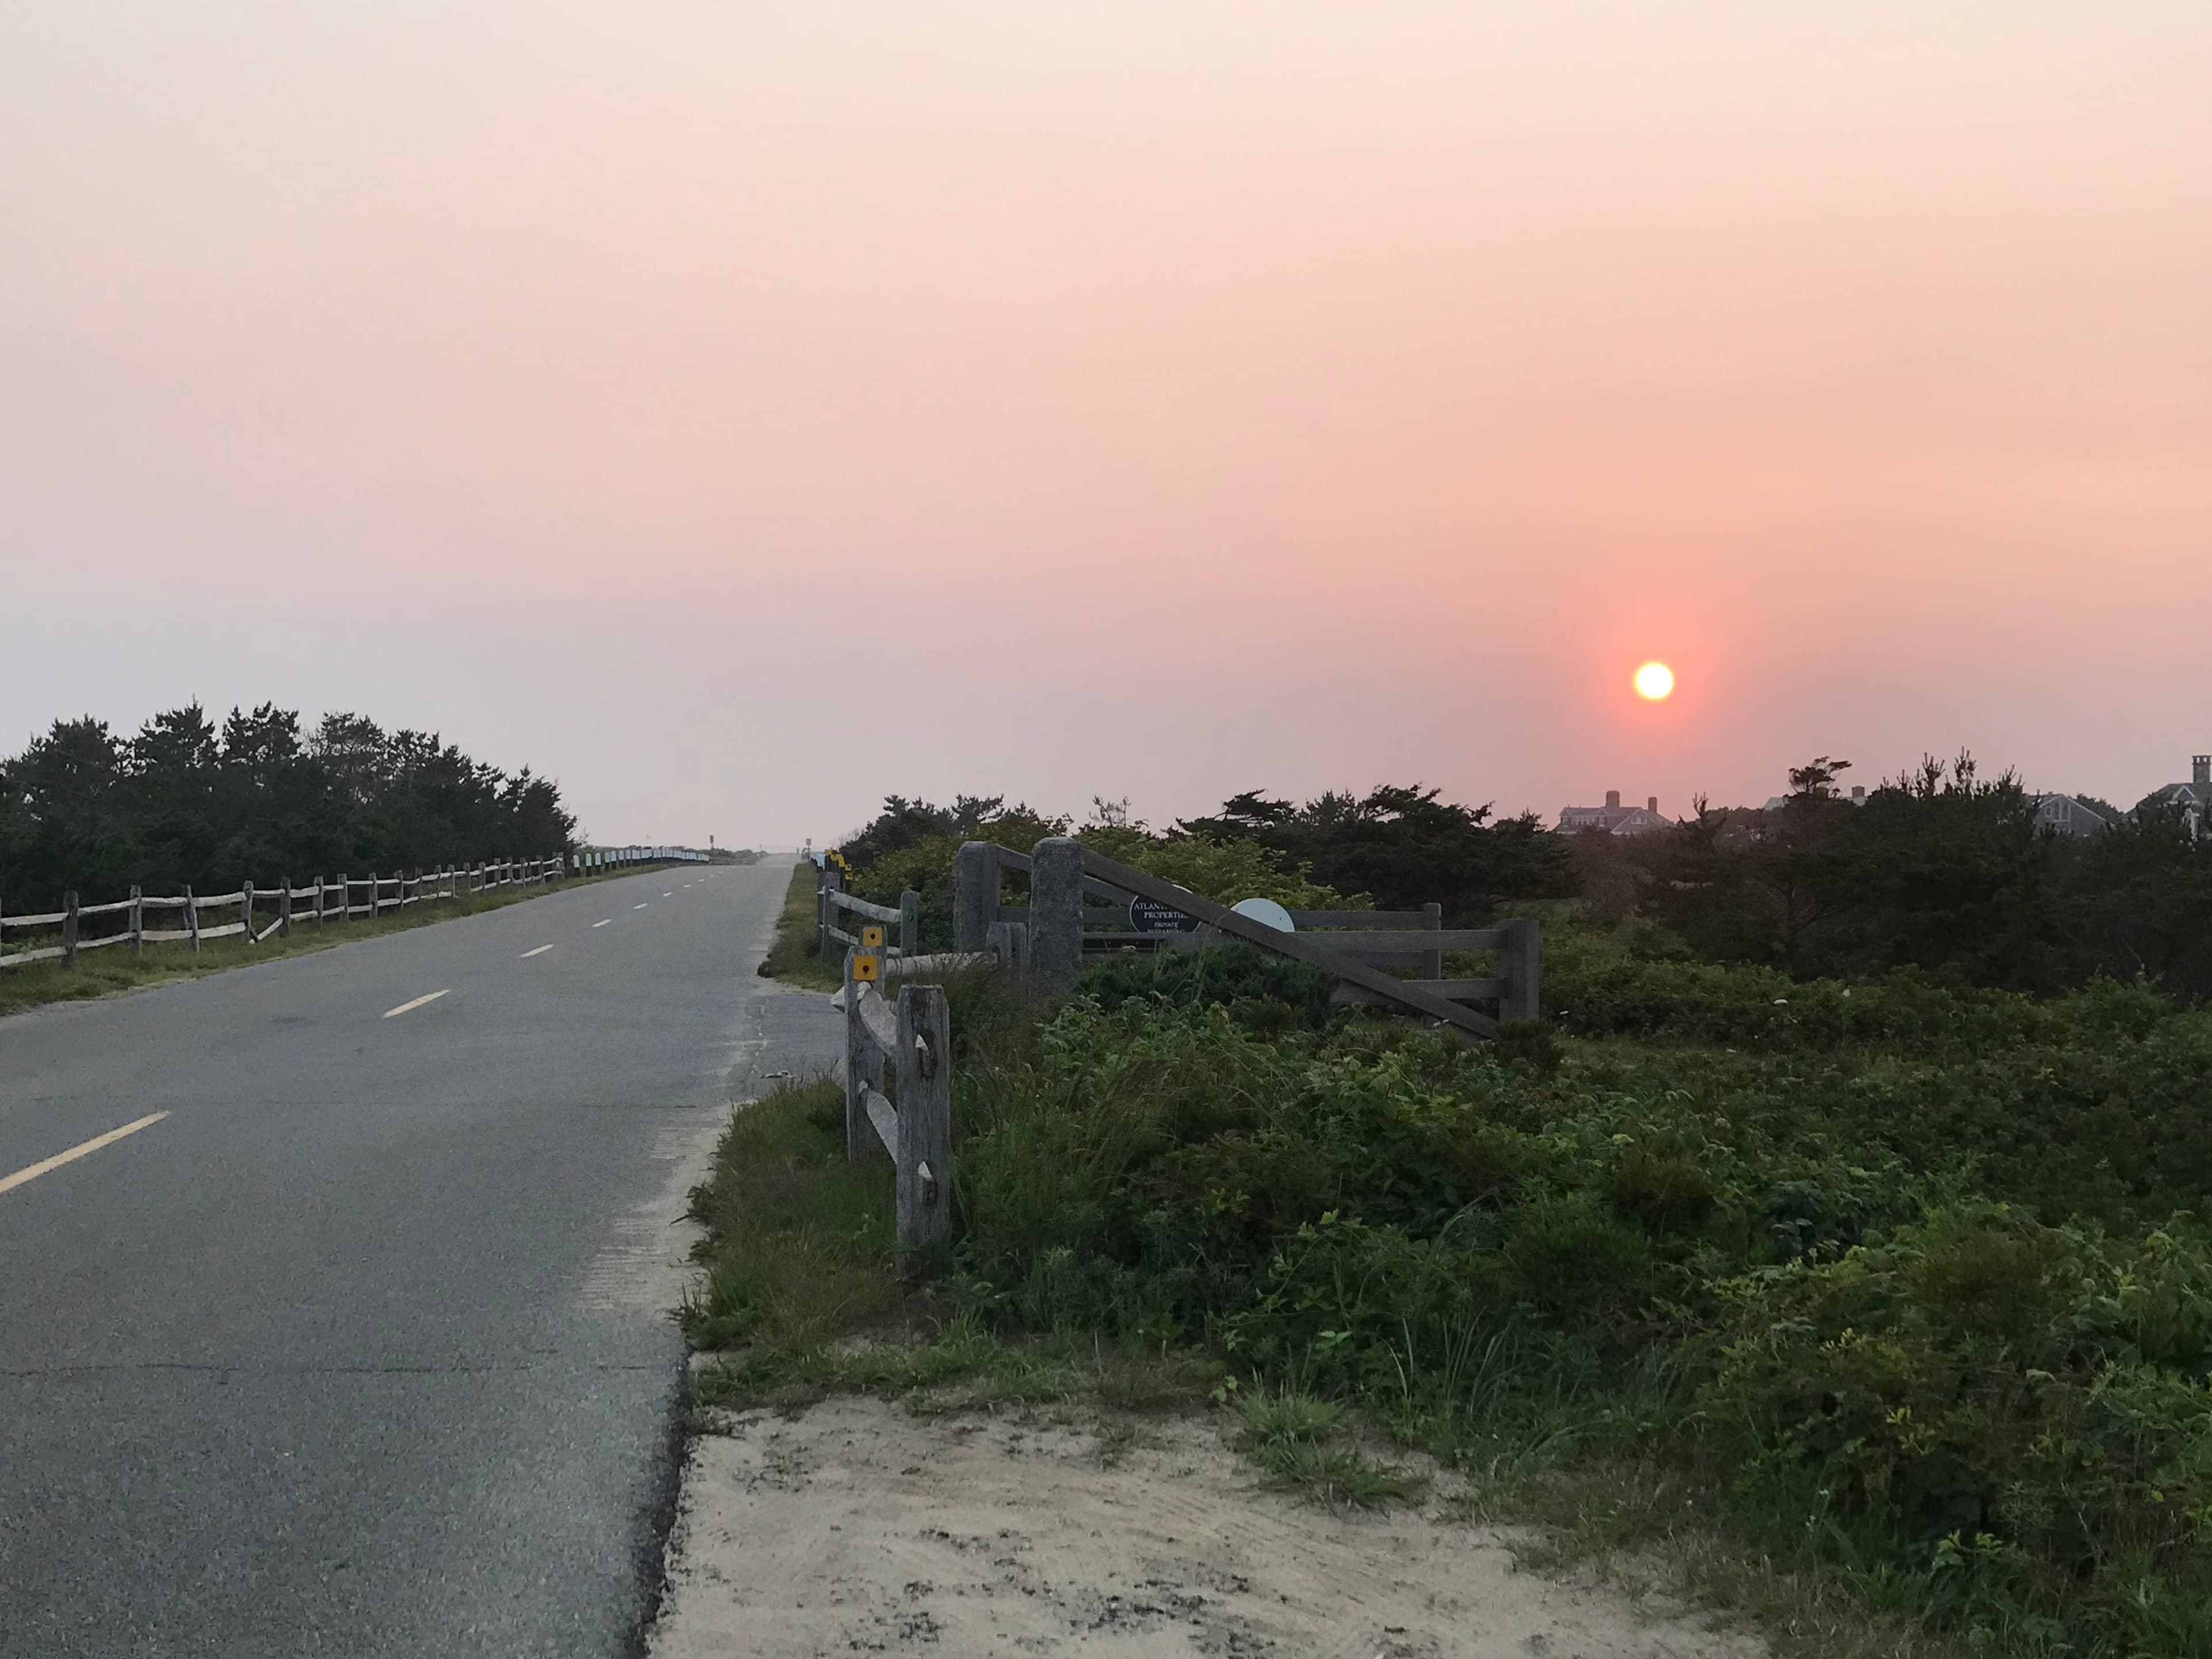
x=1008 y=943
x=345 y=896
x=1522 y=960
x=69 y=930
x=1432 y=962
x=192 y=918
x=137 y=921
x=909 y=922
x=1056 y=914
x=375 y=897
x=924 y=1117
x=832 y=882
x=864 y=1069
x=284 y=911
x=245 y=909
x=974 y=895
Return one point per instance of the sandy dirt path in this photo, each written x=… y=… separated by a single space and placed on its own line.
x=856 y=1527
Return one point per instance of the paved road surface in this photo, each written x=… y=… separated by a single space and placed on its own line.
x=362 y=1349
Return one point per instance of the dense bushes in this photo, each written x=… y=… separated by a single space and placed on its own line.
x=1942 y=869
x=903 y=850
x=1925 y=1268
x=255 y=800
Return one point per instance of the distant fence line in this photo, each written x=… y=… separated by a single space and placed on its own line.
x=317 y=904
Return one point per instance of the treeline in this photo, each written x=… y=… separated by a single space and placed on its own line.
x=1394 y=847
x=1941 y=871
x=258 y=798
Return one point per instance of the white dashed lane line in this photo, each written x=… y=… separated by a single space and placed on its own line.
x=408 y=1007
x=604 y=924
x=640 y=906
x=539 y=952
x=668 y=896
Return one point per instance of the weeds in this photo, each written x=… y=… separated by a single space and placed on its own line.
x=795 y=957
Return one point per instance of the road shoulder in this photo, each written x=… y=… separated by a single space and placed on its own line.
x=859 y=1526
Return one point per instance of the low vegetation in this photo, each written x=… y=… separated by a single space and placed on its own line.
x=1885 y=1296
x=795 y=956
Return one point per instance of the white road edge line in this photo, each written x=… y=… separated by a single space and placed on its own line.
x=76 y=1152
x=405 y=1007
x=603 y=924
x=539 y=952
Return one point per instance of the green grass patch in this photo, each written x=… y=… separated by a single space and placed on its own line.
x=1302 y=1444
x=114 y=969
x=800 y=1246
x=795 y=957
x=798 y=1284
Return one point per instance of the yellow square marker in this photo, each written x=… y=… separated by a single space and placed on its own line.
x=872 y=936
x=865 y=967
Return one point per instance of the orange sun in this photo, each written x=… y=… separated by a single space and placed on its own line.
x=1654 y=682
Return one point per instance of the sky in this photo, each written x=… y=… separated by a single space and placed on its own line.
x=740 y=413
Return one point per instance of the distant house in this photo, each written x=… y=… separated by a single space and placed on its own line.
x=1856 y=797
x=2194 y=797
x=1612 y=818
x=2070 y=815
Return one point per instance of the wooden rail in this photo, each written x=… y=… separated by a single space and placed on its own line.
x=831 y=901
x=319 y=903
x=909 y=1044
x=1071 y=889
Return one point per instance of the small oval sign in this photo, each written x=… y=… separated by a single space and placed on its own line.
x=1266 y=913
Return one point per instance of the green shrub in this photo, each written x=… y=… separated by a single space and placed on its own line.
x=1924 y=1272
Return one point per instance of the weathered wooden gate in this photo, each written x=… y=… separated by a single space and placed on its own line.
x=1080 y=899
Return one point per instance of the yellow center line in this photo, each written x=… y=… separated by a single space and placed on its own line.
x=404 y=1006
x=76 y=1152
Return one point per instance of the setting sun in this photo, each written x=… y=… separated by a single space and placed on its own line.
x=1654 y=682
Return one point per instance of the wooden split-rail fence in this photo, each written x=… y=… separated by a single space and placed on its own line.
x=314 y=905
x=1082 y=900
x=832 y=904
x=908 y=1045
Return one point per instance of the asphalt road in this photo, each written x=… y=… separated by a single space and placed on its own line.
x=361 y=1350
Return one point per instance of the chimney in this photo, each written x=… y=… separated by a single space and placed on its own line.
x=1612 y=800
x=2200 y=768
x=1652 y=806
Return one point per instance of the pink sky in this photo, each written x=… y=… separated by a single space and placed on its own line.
x=741 y=412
